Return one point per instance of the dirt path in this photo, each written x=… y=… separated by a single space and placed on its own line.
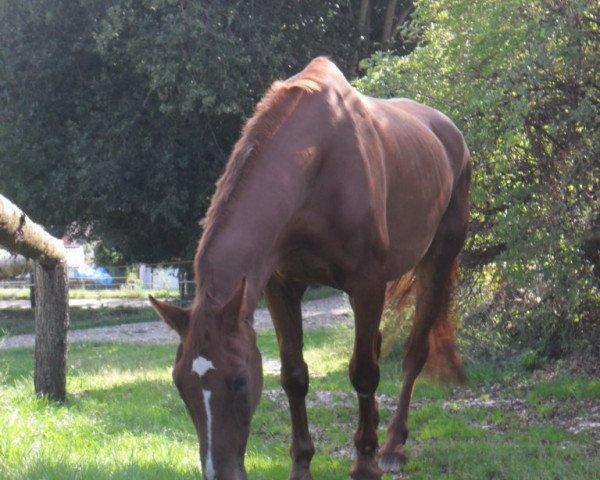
x=326 y=312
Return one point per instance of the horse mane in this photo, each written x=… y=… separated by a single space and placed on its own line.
x=270 y=113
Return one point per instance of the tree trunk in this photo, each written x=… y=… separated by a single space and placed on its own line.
x=364 y=27
x=388 y=22
x=51 y=324
x=364 y=15
x=393 y=23
x=591 y=248
x=20 y=235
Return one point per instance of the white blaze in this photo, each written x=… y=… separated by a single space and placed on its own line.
x=210 y=469
x=202 y=365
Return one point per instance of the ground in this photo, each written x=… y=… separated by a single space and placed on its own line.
x=519 y=400
x=326 y=312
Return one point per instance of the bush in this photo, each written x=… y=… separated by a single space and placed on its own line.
x=521 y=79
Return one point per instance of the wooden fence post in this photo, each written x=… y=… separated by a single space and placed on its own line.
x=51 y=325
x=20 y=235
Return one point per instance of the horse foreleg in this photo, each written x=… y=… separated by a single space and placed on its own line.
x=367 y=303
x=284 y=302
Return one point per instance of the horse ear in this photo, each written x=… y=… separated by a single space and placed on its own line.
x=177 y=318
x=235 y=310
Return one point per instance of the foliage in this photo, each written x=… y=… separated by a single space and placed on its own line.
x=521 y=79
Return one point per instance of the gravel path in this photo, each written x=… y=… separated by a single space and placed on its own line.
x=334 y=310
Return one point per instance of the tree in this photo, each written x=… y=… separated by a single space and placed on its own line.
x=380 y=26
x=117 y=117
x=522 y=81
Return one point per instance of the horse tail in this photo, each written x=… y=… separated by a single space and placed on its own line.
x=397 y=295
x=443 y=362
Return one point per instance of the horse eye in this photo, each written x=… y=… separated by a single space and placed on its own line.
x=238 y=385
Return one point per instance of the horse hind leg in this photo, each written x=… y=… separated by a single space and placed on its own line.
x=432 y=333
x=284 y=303
x=432 y=298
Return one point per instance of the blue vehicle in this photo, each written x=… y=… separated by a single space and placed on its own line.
x=97 y=275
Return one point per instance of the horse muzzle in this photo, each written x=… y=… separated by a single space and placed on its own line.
x=239 y=475
x=236 y=472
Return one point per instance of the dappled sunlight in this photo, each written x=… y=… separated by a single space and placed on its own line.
x=268 y=451
x=95 y=438
x=269 y=464
x=108 y=378
x=323 y=361
x=327 y=353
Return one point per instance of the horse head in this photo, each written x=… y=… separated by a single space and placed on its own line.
x=218 y=372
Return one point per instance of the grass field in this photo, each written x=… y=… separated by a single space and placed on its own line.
x=20 y=321
x=124 y=420
x=80 y=293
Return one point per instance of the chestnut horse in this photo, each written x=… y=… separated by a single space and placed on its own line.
x=324 y=186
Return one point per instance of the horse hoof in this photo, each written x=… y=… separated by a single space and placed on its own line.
x=368 y=471
x=365 y=476
x=300 y=476
x=392 y=462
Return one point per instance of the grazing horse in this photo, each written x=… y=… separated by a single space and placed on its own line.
x=324 y=186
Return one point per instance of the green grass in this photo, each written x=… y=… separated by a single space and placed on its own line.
x=124 y=420
x=313 y=293
x=20 y=321
x=81 y=293
x=566 y=389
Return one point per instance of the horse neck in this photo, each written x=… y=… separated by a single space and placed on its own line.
x=245 y=242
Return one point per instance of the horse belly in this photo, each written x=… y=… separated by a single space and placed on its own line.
x=307 y=267
x=403 y=258
x=322 y=249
